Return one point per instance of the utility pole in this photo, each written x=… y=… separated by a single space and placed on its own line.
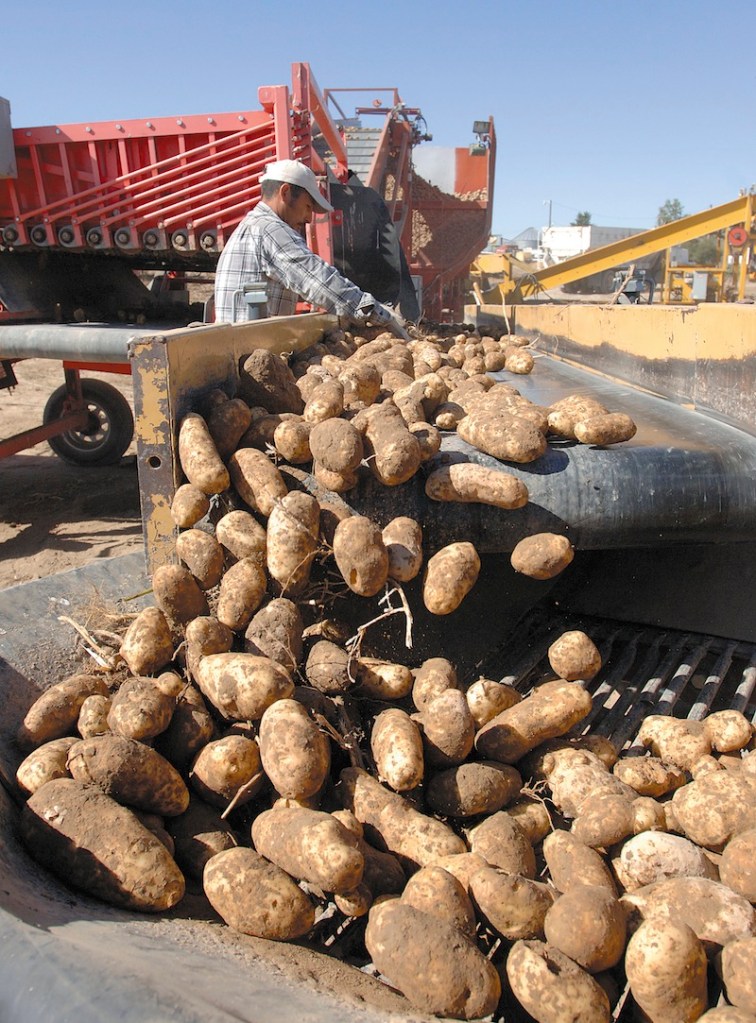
x=547 y=202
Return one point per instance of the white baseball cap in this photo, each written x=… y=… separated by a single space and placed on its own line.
x=294 y=172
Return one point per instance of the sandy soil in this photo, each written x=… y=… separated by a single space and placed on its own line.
x=55 y=516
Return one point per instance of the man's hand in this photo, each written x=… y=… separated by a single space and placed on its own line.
x=386 y=317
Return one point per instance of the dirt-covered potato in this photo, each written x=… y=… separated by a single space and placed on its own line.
x=397 y=748
x=224 y=767
x=361 y=555
x=502 y=843
x=574 y=656
x=588 y=925
x=311 y=846
x=553 y=988
x=609 y=428
x=191 y=727
x=205 y=635
x=435 y=891
x=513 y=906
x=147 y=644
x=572 y=864
x=256 y=479
x=265 y=379
x=737 y=866
x=714 y=807
x=189 y=505
x=140 y=709
x=327 y=668
x=428 y=437
x=55 y=712
x=728 y=730
x=403 y=539
x=655 y=855
x=487 y=698
x=256 y=897
x=93 y=716
x=202 y=555
x=675 y=741
x=275 y=631
x=90 y=842
x=382 y=680
x=199 y=458
x=361 y=383
x=666 y=971
x=649 y=776
x=242 y=686
x=227 y=422
x=577 y=778
x=433 y=677
x=391 y=451
x=241 y=535
x=468 y=482
x=325 y=402
x=502 y=435
x=295 y=753
x=449 y=576
x=738 y=975
x=551 y=710
x=470 y=789
x=198 y=834
x=533 y=817
x=241 y=592
x=448 y=729
x=336 y=444
x=444 y=974
x=293 y=537
x=604 y=820
x=291 y=439
x=45 y=763
x=130 y=772
x=178 y=594
x=542 y=556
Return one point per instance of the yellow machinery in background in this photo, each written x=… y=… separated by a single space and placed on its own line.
x=499 y=278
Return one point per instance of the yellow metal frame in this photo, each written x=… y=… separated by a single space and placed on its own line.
x=740 y=211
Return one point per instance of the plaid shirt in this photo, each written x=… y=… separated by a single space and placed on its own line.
x=263 y=248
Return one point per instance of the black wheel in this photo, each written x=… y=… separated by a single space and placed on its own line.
x=108 y=432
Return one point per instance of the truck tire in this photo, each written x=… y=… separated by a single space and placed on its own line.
x=108 y=433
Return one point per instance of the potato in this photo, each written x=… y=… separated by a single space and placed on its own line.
x=189 y=505
x=397 y=748
x=714 y=807
x=532 y=816
x=577 y=780
x=428 y=437
x=139 y=710
x=403 y=539
x=666 y=971
x=190 y=728
x=327 y=668
x=265 y=379
x=716 y=914
x=90 y=842
x=449 y=576
x=361 y=383
x=676 y=742
x=649 y=776
x=414 y=837
x=199 y=458
x=551 y=710
x=727 y=1014
x=205 y=635
x=574 y=656
x=728 y=730
x=293 y=537
x=655 y=856
x=553 y=988
x=512 y=905
x=224 y=767
x=241 y=592
x=177 y=594
x=291 y=439
x=589 y=926
x=241 y=535
x=382 y=680
x=609 y=428
x=487 y=698
x=438 y=893
x=737 y=867
x=242 y=686
x=467 y=482
x=462 y=866
x=502 y=435
x=263 y=427
x=391 y=451
x=738 y=958
x=604 y=820
x=256 y=479
x=55 y=712
x=311 y=846
x=336 y=482
x=93 y=716
x=130 y=773
x=361 y=555
x=448 y=415
x=502 y=843
x=542 y=556
x=336 y=445
x=433 y=677
x=519 y=362
x=325 y=402
x=295 y=753
x=275 y=631
x=256 y=897
x=227 y=422
x=448 y=729
x=571 y=863
x=445 y=974
x=45 y=763
x=198 y=834
x=147 y=644
x=202 y=555
x=470 y=789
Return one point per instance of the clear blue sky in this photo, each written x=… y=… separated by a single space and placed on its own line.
x=607 y=107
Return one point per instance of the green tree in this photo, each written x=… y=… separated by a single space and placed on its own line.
x=671 y=210
x=704 y=251
x=583 y=219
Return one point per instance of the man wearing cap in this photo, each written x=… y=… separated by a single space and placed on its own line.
x=268 y=248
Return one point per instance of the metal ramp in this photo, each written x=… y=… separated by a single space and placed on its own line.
x=361 y=144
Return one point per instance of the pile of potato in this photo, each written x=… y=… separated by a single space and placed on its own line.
x=498 y=863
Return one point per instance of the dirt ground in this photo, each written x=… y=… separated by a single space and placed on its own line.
x=55 y=516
